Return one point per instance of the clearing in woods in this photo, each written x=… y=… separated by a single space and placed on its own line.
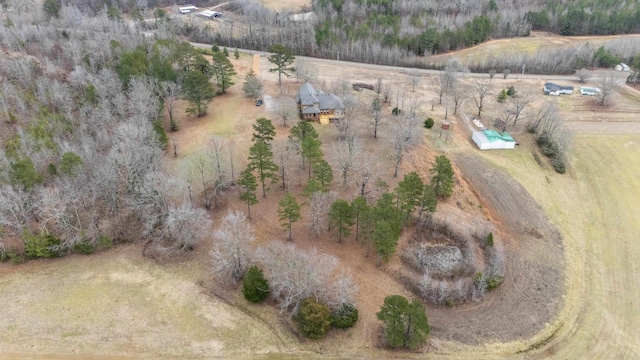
x=118 y=303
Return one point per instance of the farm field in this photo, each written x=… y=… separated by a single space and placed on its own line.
x=590 y=278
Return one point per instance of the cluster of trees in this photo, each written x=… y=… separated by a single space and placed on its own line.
x=552 y=135
x=84 y=135
x=302 y=282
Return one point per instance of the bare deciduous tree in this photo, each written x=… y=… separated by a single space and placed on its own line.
x=482 y=89
x=170 y=93
x=231 y=255
x=283 y=155
x=439 y=86
x=319 y=204
x=583 y=76
x=304 y=72
x=286 y=110
x=608 y=85
x=414 y=76
x=403 y=138
x=367 y=169
x=458 y=95
x=343 y=157
x=518 y=104
x=218 y=154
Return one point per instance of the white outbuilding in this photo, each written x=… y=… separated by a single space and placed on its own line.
x=491 y=139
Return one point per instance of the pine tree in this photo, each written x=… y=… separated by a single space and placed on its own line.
x=323 y=173
x=255 y=287
x=359 y=206
x=341 y=218
x=236 y=54
x=428 y=201
x=249 y=183
x=197 y=90
x=311 y=151
x=408 y=192
x=223 y=70
x=405 y=324
x=263 y=130
x=282 y=60
x=442 y=180
x=289 y=212
x=384 y=240
x=261 y=160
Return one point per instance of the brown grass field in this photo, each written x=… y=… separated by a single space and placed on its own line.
x=574 y=298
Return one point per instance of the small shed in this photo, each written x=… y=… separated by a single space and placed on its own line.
x=491 y=139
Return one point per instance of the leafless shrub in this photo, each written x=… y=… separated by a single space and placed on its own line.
x=231 y=255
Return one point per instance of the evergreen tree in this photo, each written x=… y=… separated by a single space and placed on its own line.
x=23 y=173
x=263 y=130
x=236 y=54
x=341 y=218
x=385 y=240
x=225 y=52
x=428 y=201
x=311 y=151
x=255 y=287
x=197 y=90
x=51 y=8
x=442 y=180
x=409 y=192
x=311 y=188
x=223 y=70
x=249 y=183
x=282 y=59
x=323 y=173
x=314 y=319
x=359 y=206
x=289 y=212
x=405 y=324
x=70 y=163
x=261 y=160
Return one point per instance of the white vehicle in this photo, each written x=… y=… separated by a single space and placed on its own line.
x=589 y=91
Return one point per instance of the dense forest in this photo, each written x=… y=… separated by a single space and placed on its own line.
x=82 y=105
x=408 y=32
x=439 y=26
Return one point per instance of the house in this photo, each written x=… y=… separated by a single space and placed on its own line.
x=315 y=105
x=555 y=89
x=491 y=139
x=187 y=9
x=210 y=14
x=589 y=91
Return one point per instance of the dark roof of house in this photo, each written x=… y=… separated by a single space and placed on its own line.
x=329 y=101
x=309 y=96
x=311 y=110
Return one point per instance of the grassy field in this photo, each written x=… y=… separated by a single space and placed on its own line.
x=596 y=208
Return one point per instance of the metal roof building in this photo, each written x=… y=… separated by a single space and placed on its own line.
x=491 y=139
